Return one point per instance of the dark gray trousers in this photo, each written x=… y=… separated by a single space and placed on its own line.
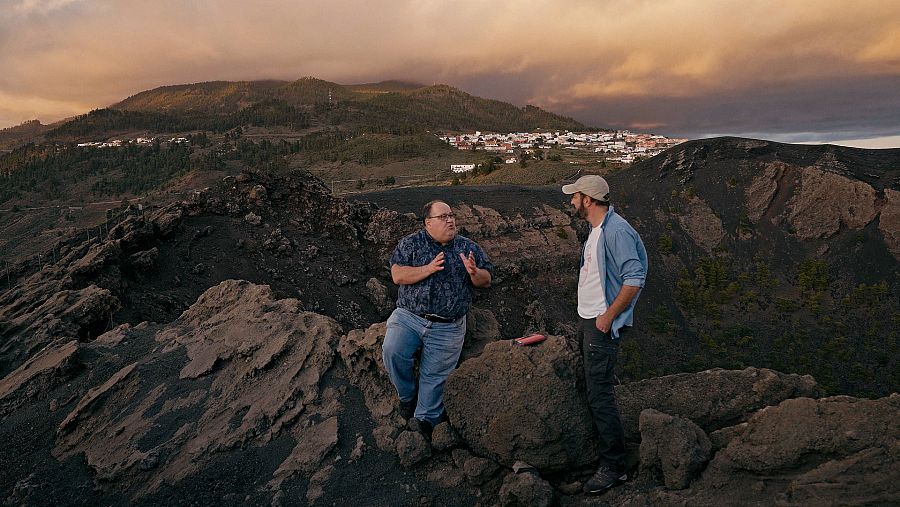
x=600 y=353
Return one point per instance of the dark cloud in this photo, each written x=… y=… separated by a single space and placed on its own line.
x=681 y=67
x=820 y=110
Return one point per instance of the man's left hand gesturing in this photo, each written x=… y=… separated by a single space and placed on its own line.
x=469 y=263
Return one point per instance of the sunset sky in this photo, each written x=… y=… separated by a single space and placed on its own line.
x=800 y=71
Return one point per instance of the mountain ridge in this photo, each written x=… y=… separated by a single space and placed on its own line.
x=422 y=106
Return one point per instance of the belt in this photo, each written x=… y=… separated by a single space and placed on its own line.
x=436 y=318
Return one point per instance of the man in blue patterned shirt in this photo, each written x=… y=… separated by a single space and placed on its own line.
x=437 y=271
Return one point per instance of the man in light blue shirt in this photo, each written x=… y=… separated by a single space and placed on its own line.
x=612 y=273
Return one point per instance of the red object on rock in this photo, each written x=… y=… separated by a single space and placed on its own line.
x=530 y=340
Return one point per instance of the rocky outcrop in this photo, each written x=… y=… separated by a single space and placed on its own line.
x=712 y=399
x=65 y=301
x=762 y=189
x=546 y=230
x=313 y=443
x=479 y=470
x=412 y=448
x=507 y=404
x=700 y=222
x=360 y=351
x=824 y=201
x=145 y=260
x=481 y=328
x=58 y=318
x=672 y=448
x=839 y=450
x=889 y=223
x=444 y=437
x=386 y=227
x=377 y=294
x=37 y=376
x=237 y=369
x=526 y=490
x=523 y=403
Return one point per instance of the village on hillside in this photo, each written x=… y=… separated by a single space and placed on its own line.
x=116 y=143
x=620 y=146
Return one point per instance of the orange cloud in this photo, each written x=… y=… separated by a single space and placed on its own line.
x=569 y=55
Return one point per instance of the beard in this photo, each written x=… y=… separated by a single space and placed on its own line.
x=580 y=210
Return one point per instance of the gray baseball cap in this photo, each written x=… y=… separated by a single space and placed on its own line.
x=591 y=186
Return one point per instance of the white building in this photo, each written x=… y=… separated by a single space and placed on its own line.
x=462 y=168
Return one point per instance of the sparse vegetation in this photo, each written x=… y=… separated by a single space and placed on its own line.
x=837 y=341
x=665 y=244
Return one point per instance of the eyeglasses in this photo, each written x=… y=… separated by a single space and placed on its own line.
x=446 y=217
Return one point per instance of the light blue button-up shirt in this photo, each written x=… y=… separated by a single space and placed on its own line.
x=622 y=256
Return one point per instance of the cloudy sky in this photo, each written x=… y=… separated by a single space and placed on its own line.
x=802 y=70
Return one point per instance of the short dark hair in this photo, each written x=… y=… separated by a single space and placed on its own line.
x=596 y=201
x=426 y=210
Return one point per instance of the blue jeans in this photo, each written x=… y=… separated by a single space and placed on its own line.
x=440 y=343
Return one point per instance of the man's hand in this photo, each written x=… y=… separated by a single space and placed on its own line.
x=436 y=264
x=481 y=278
x=408 y=275
x=469 y=263
x=625 y=297
x=604 y=322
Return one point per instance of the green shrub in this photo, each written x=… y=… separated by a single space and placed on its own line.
x=785 y=305
x=661 y=320
x=665 y=244
x=813 y=275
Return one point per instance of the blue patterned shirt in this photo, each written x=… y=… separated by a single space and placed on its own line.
x=447 y=293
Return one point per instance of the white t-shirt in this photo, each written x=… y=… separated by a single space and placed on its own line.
x=591 y=295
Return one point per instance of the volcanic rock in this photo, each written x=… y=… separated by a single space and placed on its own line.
x=712 y=399
x=37 y=375
x=386 y=227
x=826 y=200
x=360 y=350
x=672 y=447
x=447 y=476
x=518 y=237
x=314 y=443
x=98 y=256
x=57 y=318
x=889 y=223
x=479 y=470
x=444 y=437
x=481 y=328
x=508 y=403
x=838 y=450
x=762 y=189
x=166 y=219
x=258 y=193
x=412 y=447
x=145 y=260
x=377 y=294
x=526 y=490
x=701 y=224
x=247 y=367
x=252 y=218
